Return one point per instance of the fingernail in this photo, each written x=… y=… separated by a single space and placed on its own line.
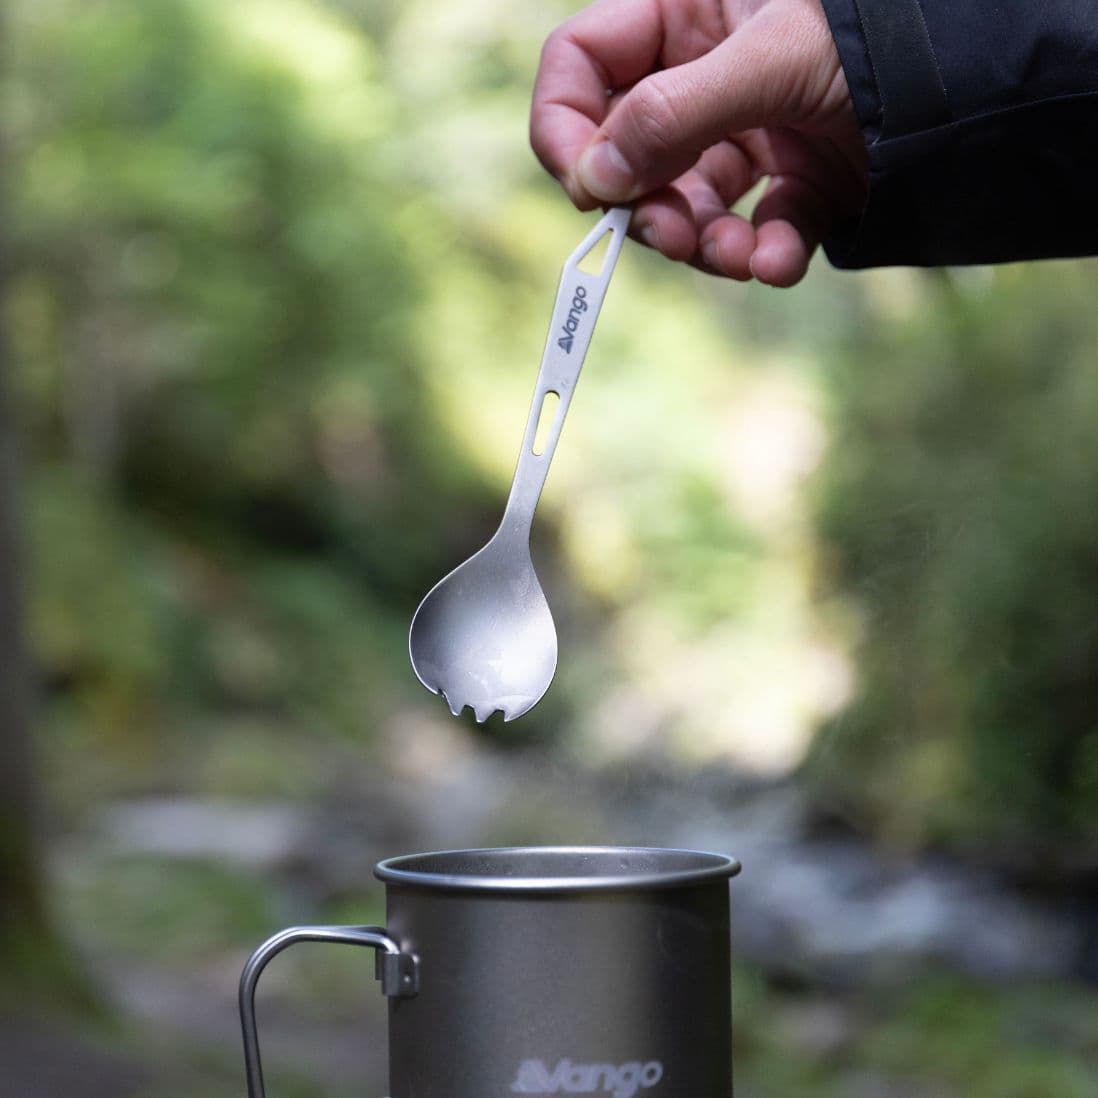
x=605 y=173
x=711 y=255
x=650 y=235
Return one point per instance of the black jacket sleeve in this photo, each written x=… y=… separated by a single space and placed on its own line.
x=981 y=123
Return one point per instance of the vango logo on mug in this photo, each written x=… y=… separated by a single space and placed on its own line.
x=621 y=1081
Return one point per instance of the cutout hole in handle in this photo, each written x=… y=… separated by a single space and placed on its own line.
x=546 y=418
x=592 y=260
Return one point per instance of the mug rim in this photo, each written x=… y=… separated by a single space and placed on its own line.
x=583 y=869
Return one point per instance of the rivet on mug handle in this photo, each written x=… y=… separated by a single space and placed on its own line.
x=397 y=971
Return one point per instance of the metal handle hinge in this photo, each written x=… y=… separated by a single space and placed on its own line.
x=399 y=974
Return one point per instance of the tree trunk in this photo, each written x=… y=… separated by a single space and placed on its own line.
x=32 y=960
x=23 y=919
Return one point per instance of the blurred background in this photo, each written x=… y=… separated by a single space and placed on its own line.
x=824 y=563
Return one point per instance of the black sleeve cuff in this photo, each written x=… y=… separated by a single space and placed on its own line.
x=982 y=145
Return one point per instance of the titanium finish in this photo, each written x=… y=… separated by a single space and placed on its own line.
x=546 y=970
x=484 y=635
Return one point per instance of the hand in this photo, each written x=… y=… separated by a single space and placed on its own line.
x=683 y=105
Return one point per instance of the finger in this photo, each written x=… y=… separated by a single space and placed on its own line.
x=729 y=169
x=665 y=222
x=660 y=128
x=790 y=220
x=726 y=247
x=609 y=45
x=781 y=254
x=679 y=220
x=726 y=241
x=782 y=151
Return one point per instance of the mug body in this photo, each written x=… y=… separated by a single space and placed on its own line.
x=562 y=970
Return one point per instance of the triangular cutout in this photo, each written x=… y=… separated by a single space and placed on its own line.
x=595 y=256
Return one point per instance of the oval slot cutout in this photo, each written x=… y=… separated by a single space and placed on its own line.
x=546 y=418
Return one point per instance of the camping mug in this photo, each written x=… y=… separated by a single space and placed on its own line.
x=545 y=970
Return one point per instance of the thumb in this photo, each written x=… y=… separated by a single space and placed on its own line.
x=755 y=77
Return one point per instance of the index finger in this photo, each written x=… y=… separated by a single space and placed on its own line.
x=608 y=45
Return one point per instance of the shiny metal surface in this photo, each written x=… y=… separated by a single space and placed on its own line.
x=397 y=971
x=484 y=636
x=557 y=869
x=546 y=970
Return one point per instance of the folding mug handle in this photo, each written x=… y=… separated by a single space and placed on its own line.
x=397 y=971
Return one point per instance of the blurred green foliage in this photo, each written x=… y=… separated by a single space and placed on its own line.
x=956 y=511
x=281 y=272
x=941 y=1035
x=232 y=464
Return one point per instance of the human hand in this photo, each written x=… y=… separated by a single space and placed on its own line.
x=683 y=105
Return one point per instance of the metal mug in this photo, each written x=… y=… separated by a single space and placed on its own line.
x=543 y=971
